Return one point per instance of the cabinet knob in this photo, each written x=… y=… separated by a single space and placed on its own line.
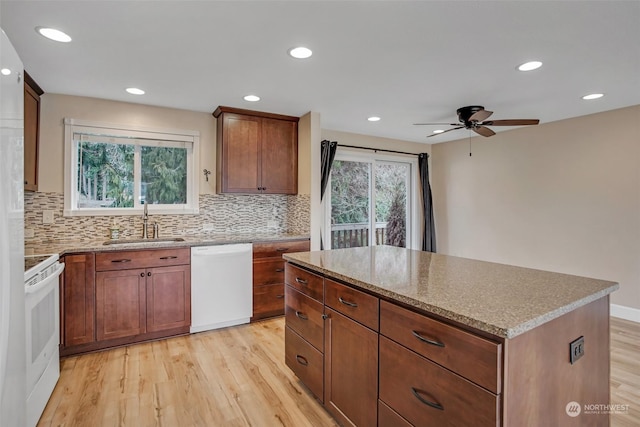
x=149 y=274
x=141 y=274
x=26 y=182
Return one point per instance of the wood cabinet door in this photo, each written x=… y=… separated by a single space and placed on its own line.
x=31 y=133
x=240 y=167
x=279 y=156
x=120 y=303
x=351 y=371
x=168 y=297
x=78 y=300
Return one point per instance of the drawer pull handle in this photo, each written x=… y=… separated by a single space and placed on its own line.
x=428 y=341
x=348 y=303
x=302 y=360
x=121 y=260
x=425 y=401
x=301 y=281
x=280 y=296
x=282 y=249
x=301 y=315
x=168 y=257
x=279 y=270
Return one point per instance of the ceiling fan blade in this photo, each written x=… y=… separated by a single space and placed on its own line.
x=448 y=130
x=511 y=122
x=481 y=130
x=436 y=124
x=481 y=115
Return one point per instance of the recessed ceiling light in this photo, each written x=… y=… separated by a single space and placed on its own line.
x=300 y=52
x=134 y=91
x=252 y=98
x=53 y=34
x=374 y=119
x=438 y=131
x=593 y=96
x=529 y=66
x=5 y=71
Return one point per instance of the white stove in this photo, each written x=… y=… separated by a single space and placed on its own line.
x=42 y=316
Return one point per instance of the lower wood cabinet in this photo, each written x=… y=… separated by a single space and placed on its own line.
x=385 y=365
x=268 y=276
x=122 y=297
x=77 y=299
x=350 y=370
x=426 y=394
x=120 y=304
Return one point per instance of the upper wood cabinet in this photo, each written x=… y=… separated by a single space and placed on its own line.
x=257 y=153
x=32 y=94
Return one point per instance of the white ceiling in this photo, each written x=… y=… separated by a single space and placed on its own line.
x=406 y=62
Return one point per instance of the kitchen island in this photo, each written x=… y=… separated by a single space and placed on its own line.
x=391 y=336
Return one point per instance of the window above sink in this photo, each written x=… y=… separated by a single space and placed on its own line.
x=115 y=169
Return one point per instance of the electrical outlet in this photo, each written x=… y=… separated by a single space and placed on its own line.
x=576 y=350
x=47 y=217
x=28 y=233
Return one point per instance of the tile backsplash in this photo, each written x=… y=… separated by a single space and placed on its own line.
x=224 y=213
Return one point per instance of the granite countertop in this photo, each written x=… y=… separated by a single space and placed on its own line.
x=500 y=299
x=205 y=239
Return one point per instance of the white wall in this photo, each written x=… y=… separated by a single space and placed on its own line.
x=561 y=196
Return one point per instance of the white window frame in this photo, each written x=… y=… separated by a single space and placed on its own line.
x=190 y=139
x=413 y=201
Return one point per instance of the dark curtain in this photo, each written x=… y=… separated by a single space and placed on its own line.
x=429 y=230
x=328 y=153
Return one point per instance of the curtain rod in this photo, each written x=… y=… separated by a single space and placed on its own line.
x=378 y=149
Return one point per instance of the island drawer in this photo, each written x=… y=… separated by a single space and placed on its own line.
x=268 y=271
x=426 y=394
x=475 y=358
x=387 y=417
x=361 y=307
x=306 y=282
x=305 y=361
x=148 y=258
x=268 y=301
x=276 y=249
x=304 y=315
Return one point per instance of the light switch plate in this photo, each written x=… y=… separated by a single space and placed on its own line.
x=47 y=217
x=272 y=224
x=207 y=227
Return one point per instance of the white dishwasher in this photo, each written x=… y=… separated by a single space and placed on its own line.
x=221 y=286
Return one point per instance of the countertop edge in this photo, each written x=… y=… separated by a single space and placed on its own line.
x=66 y=248
x=501 y=332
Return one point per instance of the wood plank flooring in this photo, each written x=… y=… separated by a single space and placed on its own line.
x=237 y=377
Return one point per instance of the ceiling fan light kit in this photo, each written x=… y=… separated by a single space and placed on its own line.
x=474 y=117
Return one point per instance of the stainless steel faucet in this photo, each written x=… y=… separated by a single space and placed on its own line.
x=145 y=219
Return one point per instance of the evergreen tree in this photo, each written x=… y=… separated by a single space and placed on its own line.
x=396 y=221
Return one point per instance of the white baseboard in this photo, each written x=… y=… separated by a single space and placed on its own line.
x=624 y=312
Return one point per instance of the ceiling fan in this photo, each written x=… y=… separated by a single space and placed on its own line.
x=474 y=117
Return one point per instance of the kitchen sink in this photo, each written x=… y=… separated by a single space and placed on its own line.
x=133 y=241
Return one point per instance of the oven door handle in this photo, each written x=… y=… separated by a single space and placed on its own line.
x=46 y=282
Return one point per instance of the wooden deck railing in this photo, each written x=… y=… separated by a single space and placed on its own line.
x=355 y=235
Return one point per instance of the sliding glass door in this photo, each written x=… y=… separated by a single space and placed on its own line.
x=369 y=201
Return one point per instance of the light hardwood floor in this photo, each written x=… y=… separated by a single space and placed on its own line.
x=237 y=377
